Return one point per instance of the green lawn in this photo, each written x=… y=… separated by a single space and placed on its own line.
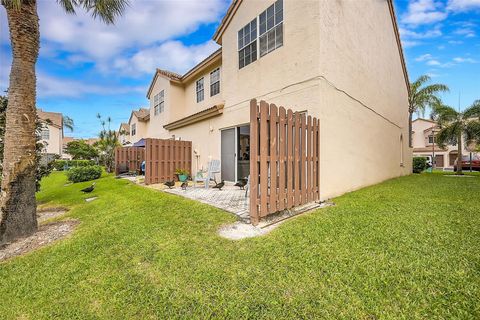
x=407 y=248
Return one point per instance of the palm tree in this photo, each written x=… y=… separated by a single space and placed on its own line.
x=107 y=144
x=68 y=123
x=422 y=96
x=455 y=125
x=17 y=202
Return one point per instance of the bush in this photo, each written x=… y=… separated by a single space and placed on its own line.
x=80 y=174
x=59 y=165
x=419 y=164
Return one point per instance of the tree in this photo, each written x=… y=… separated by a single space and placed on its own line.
x=68 y=123
x=107 y=144
x=80 y=150
x=17 y=202
x=421 y=97
x=455 y=124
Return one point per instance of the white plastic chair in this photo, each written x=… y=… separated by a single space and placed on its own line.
x=213 y=168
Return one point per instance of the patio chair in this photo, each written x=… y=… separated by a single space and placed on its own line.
x=213 y=168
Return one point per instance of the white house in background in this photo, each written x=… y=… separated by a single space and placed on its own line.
x=424 y=145
x=51 y=133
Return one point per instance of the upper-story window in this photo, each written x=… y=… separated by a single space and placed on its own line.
x=431 y=139
x=247 y=44
x=200 y=90
x=271 y=28
x=159 y=103
x=133 y=130
x=45 y=133
x=215 y=82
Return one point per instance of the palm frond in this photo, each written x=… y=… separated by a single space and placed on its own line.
x=448 y=134
x=444 y=114
x=472 y=132
x=106 y=10
x=473 y=111
x=68 y=123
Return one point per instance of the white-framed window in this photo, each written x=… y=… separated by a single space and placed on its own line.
x=159 y=103
x=133 y=129
x=45 y=133
x=200 y=90
x=247 y=44
x=215 y=82
x=271 y=28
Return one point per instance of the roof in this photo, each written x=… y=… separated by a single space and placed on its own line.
x=142 y=114
x=217 y=36
x=423 y=119
x=53 y=118
x=124 y=127
x=175 y=77
x=66 y=140
x=91 y=141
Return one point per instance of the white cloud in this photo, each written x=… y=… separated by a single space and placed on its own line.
x=423 y=12
x=170 y=55
x=432 y=33
x=48 y=86
x=461 y=60
x=433 y=62
x=410 y=43
x=424 y=57
x=463 y=5
x=455 y=42
x=467 y=32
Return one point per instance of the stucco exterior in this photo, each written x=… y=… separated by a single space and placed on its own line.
x=52 y=132
x=340 y=61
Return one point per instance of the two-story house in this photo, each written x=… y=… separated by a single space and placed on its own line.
x=51 y=133
x=425 y=145
x=340 y=61
x=139 y=122
x=124 y=134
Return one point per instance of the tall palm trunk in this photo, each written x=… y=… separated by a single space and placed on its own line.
x=410 y=116
x=459 y=156
x=17 y=201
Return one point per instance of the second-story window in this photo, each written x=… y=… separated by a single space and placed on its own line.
x=431 y=139
x=45 y=134
x=200 y=90
x=134 y=129
x=215 y=82
x=271 y=28
x=247 y=44
x=159 y=103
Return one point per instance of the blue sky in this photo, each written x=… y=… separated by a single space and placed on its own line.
x=86 y=67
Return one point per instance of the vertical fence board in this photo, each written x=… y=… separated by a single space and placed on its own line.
x=284 y=159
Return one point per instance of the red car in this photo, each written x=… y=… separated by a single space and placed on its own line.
x=466 y=163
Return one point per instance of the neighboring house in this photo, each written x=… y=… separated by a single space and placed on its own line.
x=124 y=134
x=65 y=142
x=51 y=133
x=340 y=61
x=139 y=124
x=424 y=145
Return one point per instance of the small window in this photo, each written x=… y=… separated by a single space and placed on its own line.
x=200 y=90
x=159 y=103
x=271 y=28
x=45 y=133
x=431 y=139
x=215 y=82
x=134 y=129
x=247 y=44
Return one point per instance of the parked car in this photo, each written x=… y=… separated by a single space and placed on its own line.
x=466 y=163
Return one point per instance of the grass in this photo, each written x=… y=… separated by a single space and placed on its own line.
x=407 y=248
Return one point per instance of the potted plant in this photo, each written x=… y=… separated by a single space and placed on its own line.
x=182 y=174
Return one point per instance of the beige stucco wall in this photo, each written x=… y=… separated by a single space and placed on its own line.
x=54 y=143
x=141 y=129
x=340 y=62
x=173 y=98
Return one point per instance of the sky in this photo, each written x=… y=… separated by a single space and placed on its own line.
x=86 y=67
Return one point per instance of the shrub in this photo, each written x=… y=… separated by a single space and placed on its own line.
x=419 y=164
x=80 y=174
x=60 y=164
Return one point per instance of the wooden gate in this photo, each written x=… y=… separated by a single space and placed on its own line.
x=284 y=159
x=128 y=159
x=163 y=157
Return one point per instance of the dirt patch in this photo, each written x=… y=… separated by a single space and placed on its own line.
x=45 y=235
x=49 y=213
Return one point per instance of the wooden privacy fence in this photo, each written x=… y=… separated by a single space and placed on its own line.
x=284 y=159
x=128 y=158
x=163 y=157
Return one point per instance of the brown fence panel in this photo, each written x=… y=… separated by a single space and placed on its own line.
x=163 y=157
x=129 y=158
x=284 y=159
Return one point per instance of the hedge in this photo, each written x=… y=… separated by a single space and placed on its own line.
x=419 y=164
x=80 y=174
x=59 y=165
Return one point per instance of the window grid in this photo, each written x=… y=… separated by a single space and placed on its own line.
x=159 y=103
x=45 y=134
x=134 y=129
x=215 y=82
x=271 y=28
x=200 y=90
x=247 y=44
